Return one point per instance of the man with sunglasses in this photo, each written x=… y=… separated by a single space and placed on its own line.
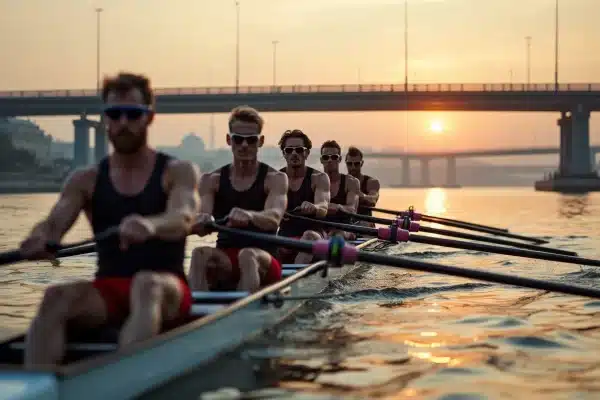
x=369 y=186
x=140 y=282
x=344 y=188
x=253 y=196
x=308 y=194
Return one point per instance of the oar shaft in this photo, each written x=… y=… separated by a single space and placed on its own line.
x=539 y=255
x=469 y=236
x=407 y=263
x=432 y=218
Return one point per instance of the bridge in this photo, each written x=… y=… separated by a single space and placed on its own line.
x=574 y=101
x=452 y=156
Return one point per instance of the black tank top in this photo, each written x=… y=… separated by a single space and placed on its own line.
x=295 y=227
x=108 y=208
x=340 y=198
x=363 y=188
x=252 y=199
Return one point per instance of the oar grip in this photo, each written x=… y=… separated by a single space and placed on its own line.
x=400 y=235
x=412 y=215
x=412 y=226
x=335 y=250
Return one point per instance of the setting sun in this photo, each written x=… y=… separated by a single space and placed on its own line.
x=436 y=126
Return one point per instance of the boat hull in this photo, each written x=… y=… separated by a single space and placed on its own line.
x=106 y=373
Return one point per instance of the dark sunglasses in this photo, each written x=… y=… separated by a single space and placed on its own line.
x=332 y=157
x=354 y=163
x=131 y=112
x=297 y=150
x=250 y=139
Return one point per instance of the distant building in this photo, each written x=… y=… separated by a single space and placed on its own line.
x=28 y=136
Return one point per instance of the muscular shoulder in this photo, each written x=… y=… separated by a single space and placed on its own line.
x=181 y=171
x=82 y=180
x=320 y=178
x=276 y=180
x=352 y=183
x=209 y=181
x=372 y=183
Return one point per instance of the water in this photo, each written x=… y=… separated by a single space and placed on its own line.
x=404 y=334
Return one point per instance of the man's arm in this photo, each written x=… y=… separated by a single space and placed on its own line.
x=207 y=192
x=70 y=203
x=183 y=202
x=353 y=189
x=322 y=194
x=372 y=196
x=275 y=204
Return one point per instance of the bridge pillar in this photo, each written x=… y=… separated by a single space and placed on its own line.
x=576 y=171
x=451 y=171
x=81 y=145
x=425 y=172
x=575 y=150
x=405 y=171
x=101 y=141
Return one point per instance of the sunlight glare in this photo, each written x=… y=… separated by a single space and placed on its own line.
x=436 y=126
x=435 y=201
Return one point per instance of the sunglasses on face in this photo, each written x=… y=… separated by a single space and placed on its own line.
x=332 y=157
x=131 y=112
x=250 y=139
x=297 y=150
x=353 y=163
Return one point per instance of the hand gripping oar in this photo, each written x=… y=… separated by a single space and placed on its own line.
x=463 y=235
x=337 y=252
x=440 y=220
x=458 y=224
x=397 y=234
x=73 y=249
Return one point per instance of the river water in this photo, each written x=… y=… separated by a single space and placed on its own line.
x=404 y=334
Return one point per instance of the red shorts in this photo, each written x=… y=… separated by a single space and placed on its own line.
x=115 y=292
x=287 y=255
x=273 y=275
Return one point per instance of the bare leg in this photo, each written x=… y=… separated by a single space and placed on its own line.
x=306 y=258
x=45 y=341
x=155 y=298
x=203 y=259
x=254 y=264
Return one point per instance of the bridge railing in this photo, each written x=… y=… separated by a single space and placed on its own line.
x=383 y=88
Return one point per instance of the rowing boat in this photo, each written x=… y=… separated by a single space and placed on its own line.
x=94 y=369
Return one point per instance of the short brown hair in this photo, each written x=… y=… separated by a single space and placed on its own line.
x=354 y=151
x=246 y=114
x=331 y=143
x=126 y=81
x=296 y=133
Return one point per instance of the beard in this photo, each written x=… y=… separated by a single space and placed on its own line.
x=127 y=142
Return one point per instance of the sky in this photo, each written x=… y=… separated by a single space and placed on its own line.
x=189 y=43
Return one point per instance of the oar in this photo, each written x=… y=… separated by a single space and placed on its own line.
x=432 y=218
x=72 y=249
x=463 y=235
x=338 y=252
x=396 y=234
x=462 y=225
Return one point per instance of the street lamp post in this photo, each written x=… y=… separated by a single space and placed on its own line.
x=528 y=60
x=275 y=43
x=237 y=47
x=98 y=12
x=556 y=46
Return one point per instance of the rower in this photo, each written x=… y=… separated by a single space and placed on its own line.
x=254 y=197
x=369 y=186
x=344 y=189
x=140 y=280
x=308 y=194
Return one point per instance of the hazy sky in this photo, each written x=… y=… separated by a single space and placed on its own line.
x=52 y=45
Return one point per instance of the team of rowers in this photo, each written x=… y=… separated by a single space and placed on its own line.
x=140 y=285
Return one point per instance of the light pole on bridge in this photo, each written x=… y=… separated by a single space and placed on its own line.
x=528 y=60
x=237 y=47
x=275 y=43
x=98 y=12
